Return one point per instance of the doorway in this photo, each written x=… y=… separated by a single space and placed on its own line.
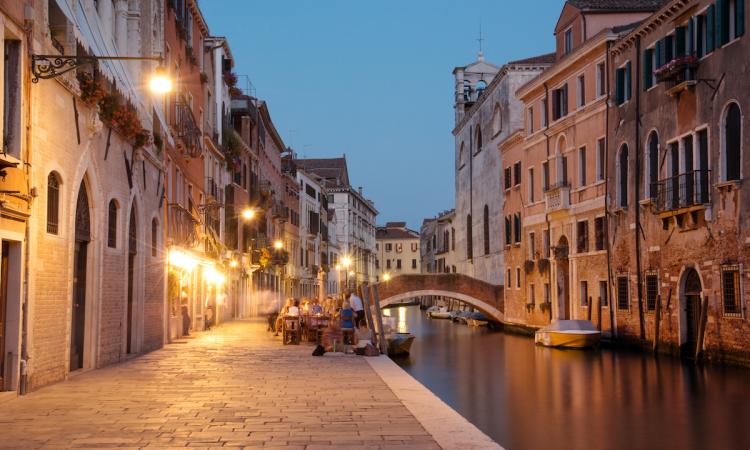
x=563 y=283
x=692 y=289
x=3 y=308
x=132 y=246
x=80 y=266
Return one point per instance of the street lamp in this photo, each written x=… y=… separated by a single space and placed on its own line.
x=278 y=245
x=386 y=277
x=233 y=264
x=248 y=214
x=45 y=67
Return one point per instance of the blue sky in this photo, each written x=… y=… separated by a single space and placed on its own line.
x=372 y=79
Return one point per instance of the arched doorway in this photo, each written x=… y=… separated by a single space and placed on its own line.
x=132 y=251
x=80 y=266
x=562 y=279
x=691 y=310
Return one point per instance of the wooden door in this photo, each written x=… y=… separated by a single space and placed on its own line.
x=3 y=308
x=132 y=245
x=78 y=316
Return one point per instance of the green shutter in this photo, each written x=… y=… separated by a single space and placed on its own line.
x=739 y=18
x=710 y=28
x=679 y=41
x=722 y=22
x=659 y=53
x=700 y=32
x=628 y=82
x=648 y=68
x=690 y=36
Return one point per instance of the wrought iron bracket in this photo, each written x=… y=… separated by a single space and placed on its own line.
x=45 y=67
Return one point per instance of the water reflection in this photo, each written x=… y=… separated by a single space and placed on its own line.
x=529 y=397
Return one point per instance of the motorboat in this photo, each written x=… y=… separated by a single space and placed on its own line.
x=477 y=319
x=399 y=343
x=439 y=313
x=568 y=334
x=460 y=316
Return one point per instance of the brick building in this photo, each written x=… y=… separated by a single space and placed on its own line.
x=679 y=216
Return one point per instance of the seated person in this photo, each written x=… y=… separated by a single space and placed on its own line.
x=315 y=308
x=363 y=335
x=347 y=316
x=293 y=308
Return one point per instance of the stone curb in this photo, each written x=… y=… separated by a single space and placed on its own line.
x=449 y=429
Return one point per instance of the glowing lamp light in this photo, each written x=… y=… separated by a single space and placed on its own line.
x=212 y=276
x=160 y=82
x=182 y=260
x=386 y=277
x=351 y=273
x=278 y=245
x=338 y=267
x=233 y=263
x=248 y=214
x=346 y=261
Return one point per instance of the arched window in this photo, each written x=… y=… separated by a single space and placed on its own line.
x=486 y=230
x=53 y=203
x=622 y=175
x=461 y=156
x=562 y=162
x=497 y=120
x=469 y=240
x=154 y=236
x=732 y=143
x=112 y=224
x=652 y=166
x=479 y=139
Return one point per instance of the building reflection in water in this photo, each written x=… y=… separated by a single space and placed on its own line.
x=530 y=397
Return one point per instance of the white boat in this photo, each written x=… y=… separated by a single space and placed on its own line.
x=439 y=313
x=568 y=334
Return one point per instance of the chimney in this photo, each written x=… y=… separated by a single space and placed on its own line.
x=359 y=189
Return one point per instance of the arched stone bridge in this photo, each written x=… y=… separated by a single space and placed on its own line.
x=487 y=298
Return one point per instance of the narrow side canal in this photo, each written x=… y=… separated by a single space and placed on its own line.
x=530 y=397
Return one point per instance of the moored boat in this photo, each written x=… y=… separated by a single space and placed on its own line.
x=477 y=319
x=399 y=343
x=568 y=334
x=440 y=313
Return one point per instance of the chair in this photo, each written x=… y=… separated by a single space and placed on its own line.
x=291 y=333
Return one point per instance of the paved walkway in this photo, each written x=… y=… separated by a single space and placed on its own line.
x=232 y=387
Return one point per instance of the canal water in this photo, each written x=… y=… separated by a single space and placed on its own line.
x=530 y=397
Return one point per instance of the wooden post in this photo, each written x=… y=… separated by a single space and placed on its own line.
x=599 y=313
x=366 y=304
x=701 y=328
x=657 y=322
x=379 y=317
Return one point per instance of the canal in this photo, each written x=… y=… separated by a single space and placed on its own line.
x=530 y=397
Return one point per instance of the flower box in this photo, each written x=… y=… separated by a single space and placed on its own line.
x=676 y=68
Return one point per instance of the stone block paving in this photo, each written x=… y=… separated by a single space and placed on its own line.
x=235 y=386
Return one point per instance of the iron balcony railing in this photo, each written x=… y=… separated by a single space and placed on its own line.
x=186 y=128
x=683 y=190
x=183 y=226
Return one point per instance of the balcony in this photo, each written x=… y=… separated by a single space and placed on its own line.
x=214 y=191
x=183 y=226
x=280 y=212
x=683 y=191
x=557 y=197
x=186 y=129
x=678 y=74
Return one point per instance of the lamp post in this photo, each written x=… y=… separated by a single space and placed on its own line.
x=346 y=262
x=278 y=245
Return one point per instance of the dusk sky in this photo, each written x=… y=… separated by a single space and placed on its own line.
x=373 y=80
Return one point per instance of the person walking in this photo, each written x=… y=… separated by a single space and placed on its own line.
x=357 y=306
x=185 y=313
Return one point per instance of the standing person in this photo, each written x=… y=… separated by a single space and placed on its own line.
x=210 y=313
x=357 y=306
x=185 y=313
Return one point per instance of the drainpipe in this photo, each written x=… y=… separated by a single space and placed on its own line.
x=546 y=215
x=470 y=226
x=637 y=185
x=612 y=324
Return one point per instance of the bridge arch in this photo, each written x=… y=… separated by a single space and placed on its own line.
x=486 y=297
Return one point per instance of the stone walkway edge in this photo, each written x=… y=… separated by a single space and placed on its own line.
x=449 y=429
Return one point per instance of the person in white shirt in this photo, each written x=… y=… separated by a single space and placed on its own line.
x=357 y=306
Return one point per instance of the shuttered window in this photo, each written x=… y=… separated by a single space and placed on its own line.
x=648 y=68
x=710 y=28
x=53 y=203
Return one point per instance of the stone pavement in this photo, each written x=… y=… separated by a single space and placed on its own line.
x=235 y=386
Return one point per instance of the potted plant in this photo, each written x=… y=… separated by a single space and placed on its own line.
x=529 y=308
x=204 y=78
x=675 y=67
x=528 y=266
x=92 y=91
x=545 y=306
x=543 y=265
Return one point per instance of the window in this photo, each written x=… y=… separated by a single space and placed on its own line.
x=497 y=120
x=599 y=231
x=582 y=166
x=400 y=247
x=532 y=245
x=388 y=247
x=53 y=203
x=509 y=281
x=508 y=178
x=532 y=294
x=517 y=228
x=530 y=120
x=545 y=242
x=453 y=238
x=387 y=263
x=649 y=78
x=601 y=158
x=508 y=231
x=730 y=291
x=11 y=144
x=545 y=113
x=652 y=166
x=479 y=139
x=732 y=143
x=560 y=102
x=582 y=234
x=622 y=175
x=564 y=171
x=486 y=230
x=623 y=84
x=603 y=297
x=415 y=247
x=461 y=157
x=547 y=293
x=413 y=263
x=581 y=91
x=601 y=76
x=112 y=224
x=154 y=237
x=469 y=243
x=518 y=278
x=568 y=43
x=584 y=293
x=517 y=173
x=545 y=175
x=652 y=290
x=531 y=185
x=623 y=302
x=398 y=264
